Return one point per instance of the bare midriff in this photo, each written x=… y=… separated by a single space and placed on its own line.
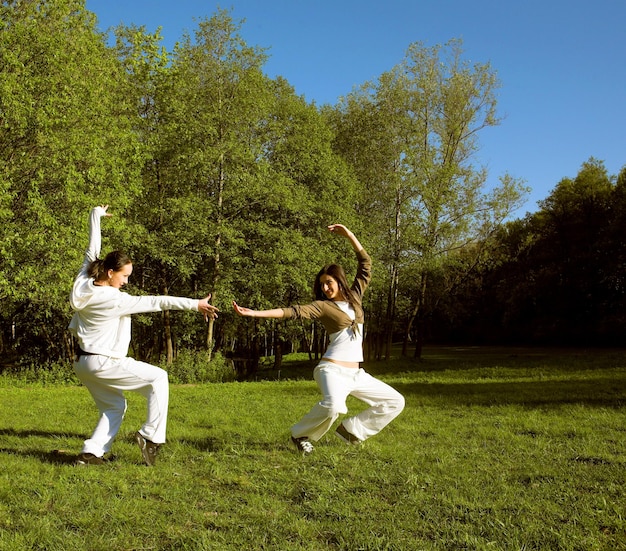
x=341 y=363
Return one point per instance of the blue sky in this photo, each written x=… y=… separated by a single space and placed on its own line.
x=561 y=64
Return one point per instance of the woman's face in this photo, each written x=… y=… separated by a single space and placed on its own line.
x=330 y=287
x=120 y=278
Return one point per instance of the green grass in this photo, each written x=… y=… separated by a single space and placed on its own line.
x=498 y=449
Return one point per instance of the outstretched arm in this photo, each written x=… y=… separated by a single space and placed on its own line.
x=340 y=229
x=247 y=312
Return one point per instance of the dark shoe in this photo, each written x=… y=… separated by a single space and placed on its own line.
x=89 y=459
x=148 y=449
x=303 y=444
x=347 y=437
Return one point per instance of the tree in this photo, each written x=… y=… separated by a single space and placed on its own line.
x=164 y=252
x=211 y=111
x=572 y=254
x=370 y=127
x=422 y=119
x=285 y=241
x=556 y=277
x=65 y=145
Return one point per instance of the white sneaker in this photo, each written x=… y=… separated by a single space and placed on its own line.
x=303 y=444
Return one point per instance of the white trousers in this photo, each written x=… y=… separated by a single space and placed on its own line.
x=336 y=383
x=107 y=379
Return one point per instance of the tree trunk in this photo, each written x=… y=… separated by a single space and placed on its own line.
x=394 y=277
x=420 y=326
x=167 y=330
x=416 y=317
x=407 y=332
x=218 y=243
x=278 y=350
x=391 y=311
x=68 y=345
x=308 y=343
x=167 y=333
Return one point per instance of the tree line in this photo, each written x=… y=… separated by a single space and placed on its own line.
x=555 y=277
x=222 y=180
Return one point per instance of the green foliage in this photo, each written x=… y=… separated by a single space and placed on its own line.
x=222 y=180
x=411 y=137
x=66 y=144
x=191 y=367
x=229 y=162
x=556 y=276
x=30 y=373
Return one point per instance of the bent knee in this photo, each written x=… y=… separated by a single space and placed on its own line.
x=396 y=403
x=162 y=377
x=334 y=409
x=114 y=407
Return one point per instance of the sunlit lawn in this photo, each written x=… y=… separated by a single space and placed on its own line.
x=497 y=449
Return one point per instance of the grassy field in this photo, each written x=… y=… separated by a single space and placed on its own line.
x=498 y=449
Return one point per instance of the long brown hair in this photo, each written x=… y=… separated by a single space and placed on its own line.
x=337 y=273
x=115 y=260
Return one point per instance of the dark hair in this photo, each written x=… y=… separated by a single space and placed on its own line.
x=115 y=261
x=336 y=272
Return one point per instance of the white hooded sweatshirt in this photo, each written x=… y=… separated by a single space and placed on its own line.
x=101 y=320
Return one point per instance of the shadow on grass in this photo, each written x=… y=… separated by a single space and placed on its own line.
x=208 y=444
x=26 y=433
x=597 y=392
x=56 y=457
x=234 y=442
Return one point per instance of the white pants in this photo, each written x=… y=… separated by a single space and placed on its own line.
x=107 y=379
x=336 y=383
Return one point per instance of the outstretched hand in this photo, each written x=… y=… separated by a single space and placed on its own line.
x=241 y=310
x=209 y=311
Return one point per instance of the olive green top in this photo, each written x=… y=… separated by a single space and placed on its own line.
x=332 y=317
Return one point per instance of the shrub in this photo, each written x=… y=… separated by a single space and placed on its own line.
x=37 y=373
x=192 y=367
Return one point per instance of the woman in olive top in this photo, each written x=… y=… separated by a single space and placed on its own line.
x=338 y=306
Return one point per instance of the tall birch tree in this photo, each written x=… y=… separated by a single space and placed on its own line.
x=412 y=137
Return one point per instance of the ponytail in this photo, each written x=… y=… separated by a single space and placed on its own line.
x=115 y=260
x=96 y=270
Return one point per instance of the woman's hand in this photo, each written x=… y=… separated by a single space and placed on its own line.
x=209 y=311
x=340 y=229
x=243 y=311
x=275 y=313
x=101 y=210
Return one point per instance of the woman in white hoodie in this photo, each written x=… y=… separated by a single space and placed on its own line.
x=102 y=326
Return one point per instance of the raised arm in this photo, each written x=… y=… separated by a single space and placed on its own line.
x=364 y=269
x=247 y=312
x=95 y=239
x=340 y=229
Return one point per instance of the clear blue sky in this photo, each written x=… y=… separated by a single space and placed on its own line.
x=562 y=64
